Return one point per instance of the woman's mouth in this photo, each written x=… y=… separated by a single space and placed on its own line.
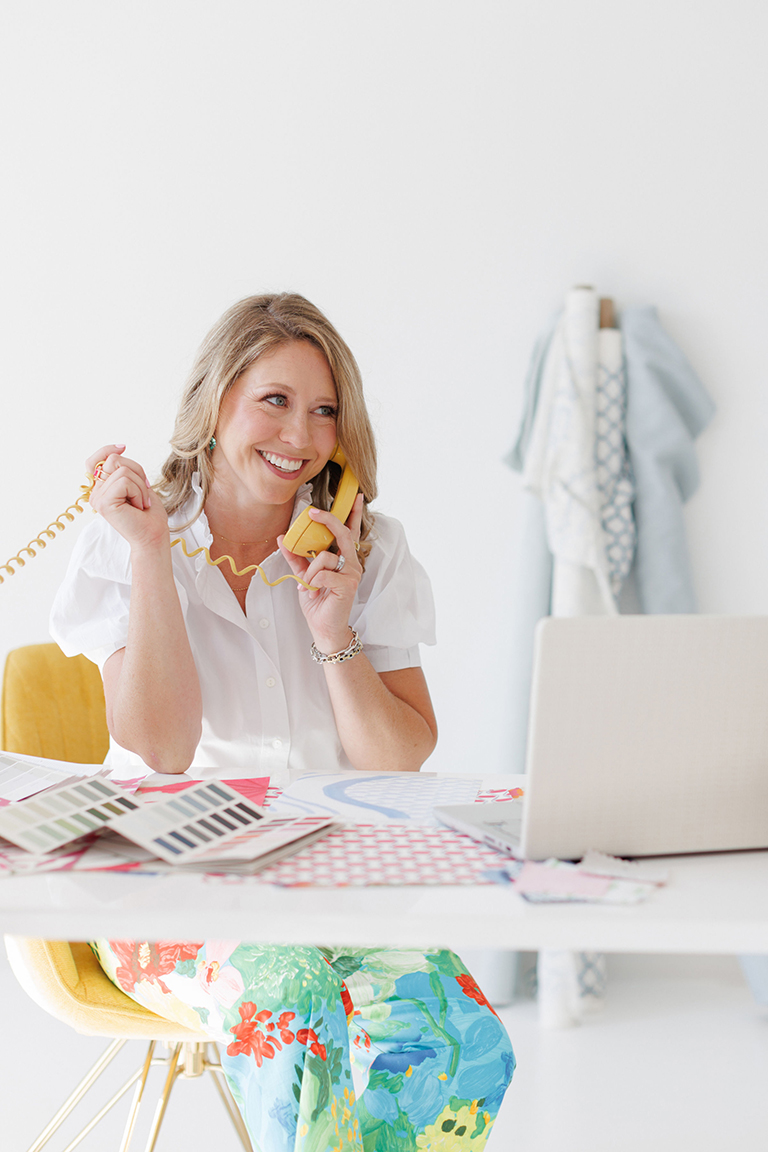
x=281 y=465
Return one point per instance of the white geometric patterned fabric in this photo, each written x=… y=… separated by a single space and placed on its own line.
x=576 y=461
x=613 y=471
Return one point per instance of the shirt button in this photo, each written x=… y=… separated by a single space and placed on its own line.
x=271 y=681
x=264 y=623
x=277 y=743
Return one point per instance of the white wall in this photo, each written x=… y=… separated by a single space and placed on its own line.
x=434 y=176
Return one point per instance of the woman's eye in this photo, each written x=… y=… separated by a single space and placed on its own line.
x=326 y=410
x=278 y=400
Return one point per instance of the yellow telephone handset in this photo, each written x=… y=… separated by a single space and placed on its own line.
x=305 y=536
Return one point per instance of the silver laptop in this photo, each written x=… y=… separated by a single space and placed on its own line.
x=648 y=736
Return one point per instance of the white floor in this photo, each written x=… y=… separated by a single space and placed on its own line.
x=677 y=1060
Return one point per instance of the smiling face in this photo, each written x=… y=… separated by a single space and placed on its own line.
x=277 y=426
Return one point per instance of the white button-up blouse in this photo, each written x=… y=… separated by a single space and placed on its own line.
x=266 y=706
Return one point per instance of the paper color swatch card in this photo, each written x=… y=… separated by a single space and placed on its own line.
x=274 y=839
x=208 y=821
x=63 y=814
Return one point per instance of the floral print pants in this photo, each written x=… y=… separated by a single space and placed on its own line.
x=334 y=1049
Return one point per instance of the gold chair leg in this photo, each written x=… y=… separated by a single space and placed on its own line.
x=189 y=1059
x=103 y=1111
x=134 y=1112
x=228 y=1101
x=162 y=1104
x=71 y=1102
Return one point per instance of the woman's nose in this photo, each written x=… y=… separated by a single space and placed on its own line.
x=296 y=430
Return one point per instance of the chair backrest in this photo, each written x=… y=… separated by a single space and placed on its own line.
x=53 y=706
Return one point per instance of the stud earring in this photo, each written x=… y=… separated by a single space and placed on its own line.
x=212 y=444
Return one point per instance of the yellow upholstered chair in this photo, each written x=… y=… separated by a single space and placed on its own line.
x=54 y=707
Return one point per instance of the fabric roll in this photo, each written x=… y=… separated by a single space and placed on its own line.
x=560 y=461
x=613 y=473
x=558 y=988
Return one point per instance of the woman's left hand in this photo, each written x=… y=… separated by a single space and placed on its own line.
x=328 y=604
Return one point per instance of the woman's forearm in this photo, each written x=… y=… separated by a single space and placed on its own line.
x=385 y=721
x=154 y=704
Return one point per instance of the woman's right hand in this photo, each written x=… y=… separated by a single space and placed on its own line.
x=122 y=495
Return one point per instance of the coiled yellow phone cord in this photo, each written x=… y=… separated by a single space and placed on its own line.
x=48 y=533
x=66 y=517
x=237 y=571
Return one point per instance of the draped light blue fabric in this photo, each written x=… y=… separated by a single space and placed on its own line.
x=755 y=968
x=667 y=408
x=531 y=389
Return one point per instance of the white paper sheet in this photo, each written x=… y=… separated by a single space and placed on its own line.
x=374 y=797
x=22 y=776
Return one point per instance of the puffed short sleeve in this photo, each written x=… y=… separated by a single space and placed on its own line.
x=394 y=612
x=90 y=611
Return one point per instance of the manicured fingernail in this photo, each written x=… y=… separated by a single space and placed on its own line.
x=119 y=445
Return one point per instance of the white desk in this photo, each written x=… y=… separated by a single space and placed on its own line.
x=715 y=904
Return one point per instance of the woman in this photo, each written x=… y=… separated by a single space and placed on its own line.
x=325 y=1048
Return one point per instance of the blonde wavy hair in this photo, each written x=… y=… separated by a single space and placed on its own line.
x=248 y=330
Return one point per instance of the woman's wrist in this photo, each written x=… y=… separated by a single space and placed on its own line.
x=154 y=557
x=330 y=644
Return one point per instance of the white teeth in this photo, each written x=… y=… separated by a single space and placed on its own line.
x=282 y=463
